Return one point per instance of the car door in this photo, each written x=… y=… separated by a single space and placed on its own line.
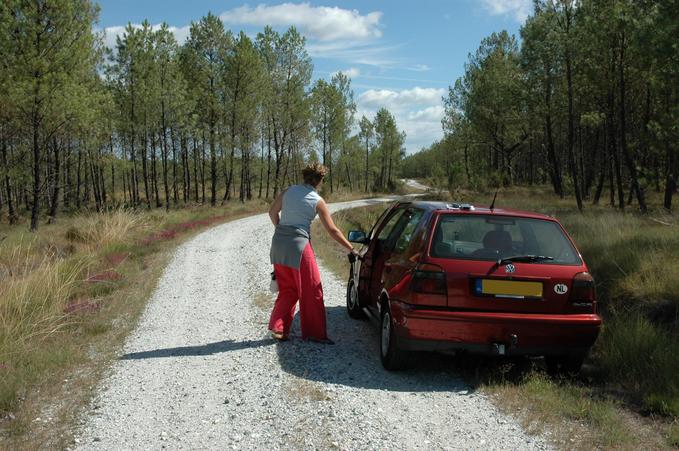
x=407 y=240
x=373 y=259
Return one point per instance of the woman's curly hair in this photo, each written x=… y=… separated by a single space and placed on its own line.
x=314 y=173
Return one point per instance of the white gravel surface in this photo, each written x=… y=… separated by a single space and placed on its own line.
x=200 y=371
x=415 y=184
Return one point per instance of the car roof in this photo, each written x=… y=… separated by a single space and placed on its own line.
x=464 y=208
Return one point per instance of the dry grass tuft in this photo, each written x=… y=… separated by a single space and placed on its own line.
x=673 y=435
x=33 y=305
x=575 y=415
x=100 y=230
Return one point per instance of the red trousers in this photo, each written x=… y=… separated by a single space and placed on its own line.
x=303 y=285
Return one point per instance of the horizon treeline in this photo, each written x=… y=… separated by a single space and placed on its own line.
x=155 y=123
x=587 y=101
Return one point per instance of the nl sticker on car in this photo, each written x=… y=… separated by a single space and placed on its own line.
x=508 y=288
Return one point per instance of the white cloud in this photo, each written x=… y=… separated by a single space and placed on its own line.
x=419 y=68
x=432 y=113
x=351 y=72
x=334 y=32
x=390 y=99
x=419 y=134
x=354 y=53
x=111 y=33
x=418 y=111
x=518 y=9
x=324 y=23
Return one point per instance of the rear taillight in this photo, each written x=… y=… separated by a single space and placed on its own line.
x=583 y=293
x=429 y=279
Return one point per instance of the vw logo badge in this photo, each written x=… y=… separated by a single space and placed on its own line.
x=509 y=268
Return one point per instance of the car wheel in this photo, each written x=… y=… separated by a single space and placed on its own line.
x=564 y=365
x=353 y=305
x=391 y=356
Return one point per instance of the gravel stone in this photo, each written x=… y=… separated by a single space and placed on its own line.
x=200 y=371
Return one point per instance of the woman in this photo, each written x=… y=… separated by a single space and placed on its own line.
x=293 y=258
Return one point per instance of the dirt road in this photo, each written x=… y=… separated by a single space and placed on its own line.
x=200 y=371
x=415 y=184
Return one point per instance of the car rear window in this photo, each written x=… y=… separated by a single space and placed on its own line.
x=480 y=237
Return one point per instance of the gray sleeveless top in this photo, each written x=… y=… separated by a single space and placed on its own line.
x=293 y=230
x=299 y=207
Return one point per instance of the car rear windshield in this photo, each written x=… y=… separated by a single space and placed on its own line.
x=480 y=237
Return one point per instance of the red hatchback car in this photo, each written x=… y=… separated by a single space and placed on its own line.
x=452 y=277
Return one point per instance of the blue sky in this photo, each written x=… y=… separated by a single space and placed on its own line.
x=399 y=54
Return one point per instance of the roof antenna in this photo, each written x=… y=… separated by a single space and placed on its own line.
x=492 y=205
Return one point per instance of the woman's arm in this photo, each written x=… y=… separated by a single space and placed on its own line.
x=275 y=208
x=330 y=227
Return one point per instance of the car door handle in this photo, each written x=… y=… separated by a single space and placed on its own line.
x=387 y=267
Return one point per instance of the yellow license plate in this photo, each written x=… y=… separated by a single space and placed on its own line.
x=509 y=288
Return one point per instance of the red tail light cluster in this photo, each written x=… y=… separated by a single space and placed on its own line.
x=429 y=279
x=583 y=293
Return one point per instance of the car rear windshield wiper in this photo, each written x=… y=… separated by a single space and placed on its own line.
x=524 y=259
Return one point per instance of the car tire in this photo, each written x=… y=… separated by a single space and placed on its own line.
x=564 y=365
x=393 y=358
x=354 y=308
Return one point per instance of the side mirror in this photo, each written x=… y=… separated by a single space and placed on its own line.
x=356 y=236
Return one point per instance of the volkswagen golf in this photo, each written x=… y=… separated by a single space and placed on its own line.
x=455 y=277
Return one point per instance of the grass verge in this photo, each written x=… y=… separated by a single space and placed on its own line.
x=69 y=295
x=627 y=397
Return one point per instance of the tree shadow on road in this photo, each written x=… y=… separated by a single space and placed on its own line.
x=198 y=350
x=354 y=361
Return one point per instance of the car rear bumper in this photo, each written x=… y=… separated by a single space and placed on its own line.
x=421 y=329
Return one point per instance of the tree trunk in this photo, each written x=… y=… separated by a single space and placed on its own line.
x=629 y=161
x=95 y=183
x=261 y=167
x=571 y=117
x=466 y=162
x=35 y=209
x=125 y=188
x=11 y=213
x=213 y=164
x=54 y=204
x=670 y=177
x=602 y=172
x=154 y=170
x=268 y=161
x=367 y=154
x=145 y=172
x=351 y=185
x=195 y=169
x=164 y=155
x=113 y=172
x=202 y=170
x=175 y=195
x=186 y=177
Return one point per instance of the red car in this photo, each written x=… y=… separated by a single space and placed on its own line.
x=452 y=277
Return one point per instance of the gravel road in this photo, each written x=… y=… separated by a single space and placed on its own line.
x=415 y=184
x=200 y=371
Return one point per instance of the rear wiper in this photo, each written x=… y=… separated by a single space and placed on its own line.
x=524 y=259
